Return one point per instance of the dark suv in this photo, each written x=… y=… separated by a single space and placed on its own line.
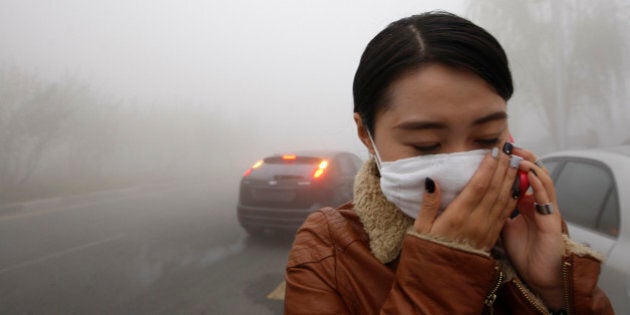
x=279 y=191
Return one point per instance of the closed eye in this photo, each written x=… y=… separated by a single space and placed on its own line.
x=427 y=148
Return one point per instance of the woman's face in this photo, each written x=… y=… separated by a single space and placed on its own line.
x=437 y=109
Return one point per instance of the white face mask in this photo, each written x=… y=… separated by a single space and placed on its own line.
x=402 y=181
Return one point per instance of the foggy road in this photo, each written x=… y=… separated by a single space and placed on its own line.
x=157 y=250
x=99 y=95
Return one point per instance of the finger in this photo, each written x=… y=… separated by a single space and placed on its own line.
x=529 y=156
x=506 y=199
x=431 y=200
x=509 y=194
x=496 y=187
x=478 y=184
x=545 y=222
x=525 y=154
x=542 y=175
x=526 y=205
x=541 y=193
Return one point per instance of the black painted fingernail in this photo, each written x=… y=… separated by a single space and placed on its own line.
x=507 y=148
x=532 y=170
x=515 y=191
x=429 y=185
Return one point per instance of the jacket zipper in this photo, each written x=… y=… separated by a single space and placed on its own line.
x=528 y=298
x=489 y=301
x=565 y=282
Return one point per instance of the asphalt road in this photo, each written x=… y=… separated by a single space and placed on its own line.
x=174 y=249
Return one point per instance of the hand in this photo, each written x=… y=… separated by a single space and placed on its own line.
x=533 y=241
x=476 y=216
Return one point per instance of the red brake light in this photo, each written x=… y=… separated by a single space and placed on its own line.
x=320 y=169
x=255 y=166
x=318 y=173
x=289 y=157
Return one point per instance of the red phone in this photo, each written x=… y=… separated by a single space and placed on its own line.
x=521 y=183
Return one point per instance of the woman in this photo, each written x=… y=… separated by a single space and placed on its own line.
x=432 y=227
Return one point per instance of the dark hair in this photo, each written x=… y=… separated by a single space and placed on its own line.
x=432 y=37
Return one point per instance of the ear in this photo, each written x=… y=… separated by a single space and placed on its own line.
x=362 y=132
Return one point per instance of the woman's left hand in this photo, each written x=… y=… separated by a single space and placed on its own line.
x=533 y=241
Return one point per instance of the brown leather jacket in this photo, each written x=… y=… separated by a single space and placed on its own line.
x=361 y=259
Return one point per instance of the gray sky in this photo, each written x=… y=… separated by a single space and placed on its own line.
x=255 y=62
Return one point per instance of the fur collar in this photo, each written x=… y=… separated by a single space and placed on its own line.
x=384 y=223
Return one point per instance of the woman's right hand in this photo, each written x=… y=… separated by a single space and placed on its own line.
x=477 y=215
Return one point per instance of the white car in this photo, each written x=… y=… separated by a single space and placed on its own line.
x=593 y=190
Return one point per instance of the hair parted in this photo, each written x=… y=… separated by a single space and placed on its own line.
x=432 y=37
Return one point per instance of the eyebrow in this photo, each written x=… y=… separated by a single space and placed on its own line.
x=491 y=117
x=419 y=125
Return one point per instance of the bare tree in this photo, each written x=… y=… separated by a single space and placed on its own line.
x=66 y=139
x=569 y=59
x=31 y=115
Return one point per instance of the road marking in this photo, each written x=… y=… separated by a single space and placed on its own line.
x=33 y=213
x=278 y=292
x=60 y=253
x=27 y=214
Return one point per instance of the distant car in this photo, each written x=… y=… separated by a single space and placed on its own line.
x=593 y=190
x=280 y=191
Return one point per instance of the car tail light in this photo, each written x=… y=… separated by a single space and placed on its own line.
x=319 y=172
x=289 y=157
x=255 y=166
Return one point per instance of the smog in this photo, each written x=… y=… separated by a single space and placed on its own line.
x=126 y=127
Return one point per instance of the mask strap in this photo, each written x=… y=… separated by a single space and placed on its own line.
x=377 y=157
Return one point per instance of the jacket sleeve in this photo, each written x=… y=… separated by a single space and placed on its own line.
x=441 y=278
x=584 y=295
x=580 y=272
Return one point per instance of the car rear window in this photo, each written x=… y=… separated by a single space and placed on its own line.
x=280 y=168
